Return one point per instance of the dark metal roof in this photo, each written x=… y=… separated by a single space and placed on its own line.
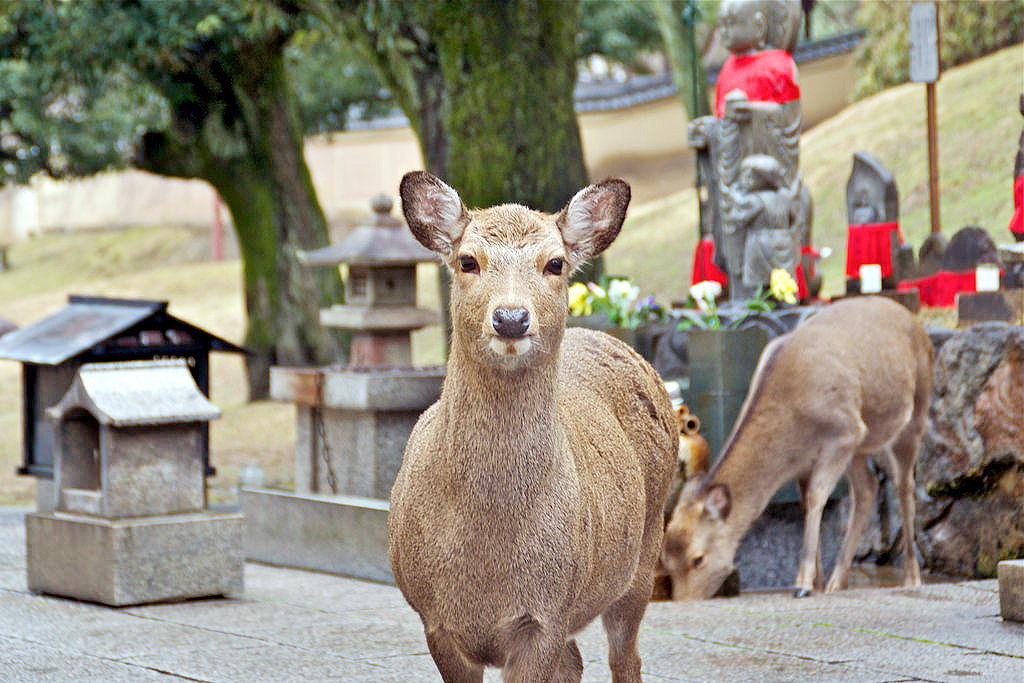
x=86 y=322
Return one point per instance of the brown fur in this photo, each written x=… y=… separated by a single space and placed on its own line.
x=854 y=380
x=530 y=498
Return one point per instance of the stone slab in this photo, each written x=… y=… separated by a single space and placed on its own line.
x=137 y=560
x=1011 y=589
x=344 y=535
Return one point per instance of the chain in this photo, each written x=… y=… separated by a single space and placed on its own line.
x=321 y=433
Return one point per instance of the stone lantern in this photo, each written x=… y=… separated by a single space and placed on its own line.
x=380 y=310
x=352 y=420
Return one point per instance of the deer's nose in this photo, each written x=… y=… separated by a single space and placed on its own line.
x=510 y=323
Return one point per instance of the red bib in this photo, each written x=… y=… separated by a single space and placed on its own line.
x=767 y=76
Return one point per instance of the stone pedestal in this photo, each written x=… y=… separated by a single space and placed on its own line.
x=128 y=523
x=353 y=423
x=132 y=561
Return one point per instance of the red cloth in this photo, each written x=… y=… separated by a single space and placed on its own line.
x=704 y=267
x=801 y=278
x=1017 y=220
x=766 y=76
x=870 y=243
x=941 y=288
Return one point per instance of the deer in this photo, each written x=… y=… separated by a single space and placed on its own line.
x=850 y=384
x=530 y=496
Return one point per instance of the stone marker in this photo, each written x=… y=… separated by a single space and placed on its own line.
x=1011 y=589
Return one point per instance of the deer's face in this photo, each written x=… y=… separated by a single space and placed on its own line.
x=510 y=264
x=698 y=552
x=510 y=277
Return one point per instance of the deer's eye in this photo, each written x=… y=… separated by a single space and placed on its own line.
x=554 y=266
x=698 y=561
x=468 y=264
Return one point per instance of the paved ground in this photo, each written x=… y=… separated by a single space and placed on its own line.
x=294 y=625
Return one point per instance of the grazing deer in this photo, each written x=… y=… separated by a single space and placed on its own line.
x=853 y=380
x=530 y=498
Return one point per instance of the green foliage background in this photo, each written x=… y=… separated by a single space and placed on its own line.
x=967 y=30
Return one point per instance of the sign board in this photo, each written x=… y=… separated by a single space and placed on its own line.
x=924 y=42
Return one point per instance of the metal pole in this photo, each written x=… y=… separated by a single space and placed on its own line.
x=933 y=132
x=933 y=158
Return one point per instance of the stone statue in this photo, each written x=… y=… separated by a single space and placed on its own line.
x=757 y=112
x=872 y=210
x=871 y=192
x=761 y=213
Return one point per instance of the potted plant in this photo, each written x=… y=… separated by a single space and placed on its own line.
x=723 y=352
x=615 y=307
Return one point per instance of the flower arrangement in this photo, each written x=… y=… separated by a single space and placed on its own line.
x=703 y=309
x=619 y=300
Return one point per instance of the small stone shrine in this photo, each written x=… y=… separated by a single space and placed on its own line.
x=353 y=420
x=96 y=330
x=130 y=523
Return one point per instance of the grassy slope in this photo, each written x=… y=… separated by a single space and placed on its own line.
x=978 y=130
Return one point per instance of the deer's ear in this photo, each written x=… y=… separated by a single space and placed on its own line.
x=718 y=502
x=434 y=212
x=592 y=219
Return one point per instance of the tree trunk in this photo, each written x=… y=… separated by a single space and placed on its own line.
x=249 y=147
x=511 y=70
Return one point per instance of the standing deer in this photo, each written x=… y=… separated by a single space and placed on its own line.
x=530 y=498
x=853 y=380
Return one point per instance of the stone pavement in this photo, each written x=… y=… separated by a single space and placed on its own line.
x=293 y=625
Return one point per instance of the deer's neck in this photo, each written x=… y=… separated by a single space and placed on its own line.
x=753 y=467
x=502 y=424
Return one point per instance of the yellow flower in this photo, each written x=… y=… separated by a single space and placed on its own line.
x=782 y=286
x=579 y=299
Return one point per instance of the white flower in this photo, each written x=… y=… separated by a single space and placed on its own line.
x=622 y=294
x=705 y=293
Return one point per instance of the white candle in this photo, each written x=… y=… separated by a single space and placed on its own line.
x=986 y=277
x=870 y=278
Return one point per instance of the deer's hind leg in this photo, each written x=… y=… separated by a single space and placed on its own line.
x=863 y=489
